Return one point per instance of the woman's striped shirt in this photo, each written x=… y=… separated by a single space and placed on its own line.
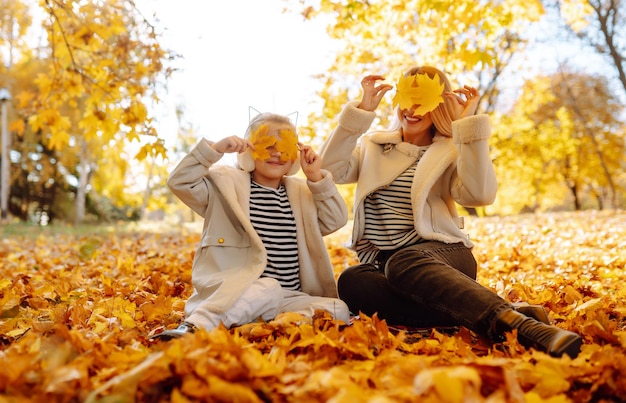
x=389 y=222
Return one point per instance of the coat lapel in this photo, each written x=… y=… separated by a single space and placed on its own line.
x=439 y=156
x=234 y=186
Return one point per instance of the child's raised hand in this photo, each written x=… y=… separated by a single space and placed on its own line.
x=311 y=163
x=232 y=144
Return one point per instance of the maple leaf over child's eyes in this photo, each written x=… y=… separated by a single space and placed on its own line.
x=287 y=145
x=261 y=142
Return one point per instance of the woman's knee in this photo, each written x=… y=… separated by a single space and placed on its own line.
x=401 y=261
x=351 y=277
x=427 y=257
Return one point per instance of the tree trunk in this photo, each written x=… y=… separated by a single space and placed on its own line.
x=6 y=182
x=83 y=181
x=574 y=189
x=148 y=191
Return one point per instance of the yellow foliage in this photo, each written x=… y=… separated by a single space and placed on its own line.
x=576 y=13
x=102 y=67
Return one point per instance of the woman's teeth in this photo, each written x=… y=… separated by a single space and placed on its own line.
x=412 y=119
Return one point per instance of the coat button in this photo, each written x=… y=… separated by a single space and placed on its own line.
x=220 y=240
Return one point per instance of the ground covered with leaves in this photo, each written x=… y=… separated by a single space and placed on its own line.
x=76 y=313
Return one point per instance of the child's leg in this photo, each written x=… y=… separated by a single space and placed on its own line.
x=262 y=299
x=305 y=304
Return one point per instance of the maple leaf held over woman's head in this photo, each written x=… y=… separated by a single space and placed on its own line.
x=420 y=90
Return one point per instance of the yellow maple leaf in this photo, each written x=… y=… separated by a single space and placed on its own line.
x=420 y=90
x=261 y=142
x=404 y=92
x=287 y=145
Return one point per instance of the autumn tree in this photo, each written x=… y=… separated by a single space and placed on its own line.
x=563 y=140
x=102 y=68
x=472 y=41
x=186 y=138
x=600 y=24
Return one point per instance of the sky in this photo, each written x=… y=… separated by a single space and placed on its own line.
x=237 y=54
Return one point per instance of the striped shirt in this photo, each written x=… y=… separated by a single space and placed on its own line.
x=389 y=222
x=272 y=218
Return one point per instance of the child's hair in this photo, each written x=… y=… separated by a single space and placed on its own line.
x=245 y=160
x=267 y=117
x=443 y=114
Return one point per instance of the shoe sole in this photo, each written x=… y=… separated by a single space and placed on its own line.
x=571 y=347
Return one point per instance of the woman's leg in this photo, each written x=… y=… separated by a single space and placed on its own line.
x=439 y=278
x=435 y=275
x=365 y=289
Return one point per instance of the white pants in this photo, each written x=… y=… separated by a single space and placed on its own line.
x=265 y=299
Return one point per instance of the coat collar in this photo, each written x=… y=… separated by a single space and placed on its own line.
x=441 y=154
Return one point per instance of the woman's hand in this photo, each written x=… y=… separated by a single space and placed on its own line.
x=466 y=106
x=372 y=93
x=311 y=163
x=232 y=144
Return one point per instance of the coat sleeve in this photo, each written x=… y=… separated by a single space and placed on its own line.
x=332 y=212
x=189 y=180
x=340 y=153
x=475 y=182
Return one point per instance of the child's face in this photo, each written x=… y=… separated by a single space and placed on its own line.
x=276 y=149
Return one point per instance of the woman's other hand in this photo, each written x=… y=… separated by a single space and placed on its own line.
x=372 y=93
x=466 y=99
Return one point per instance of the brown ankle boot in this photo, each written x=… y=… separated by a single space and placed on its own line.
x=532 y=333
x=534 y=311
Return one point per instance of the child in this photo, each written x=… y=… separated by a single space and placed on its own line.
x=262 y=251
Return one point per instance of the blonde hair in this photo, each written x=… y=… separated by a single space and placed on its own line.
x=267 y=117
x=442 y=115
x=245 y=160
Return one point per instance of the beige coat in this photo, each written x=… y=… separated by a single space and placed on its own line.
x=456 y=169
x=231 y=255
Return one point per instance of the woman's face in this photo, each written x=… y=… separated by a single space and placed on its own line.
x=413 y=125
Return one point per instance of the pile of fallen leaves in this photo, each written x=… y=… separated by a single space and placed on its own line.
x=76 y=313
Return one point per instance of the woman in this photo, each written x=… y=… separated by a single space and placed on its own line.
x=416 y=265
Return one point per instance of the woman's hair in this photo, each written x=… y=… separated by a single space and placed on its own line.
x=443 y=114
x=245 y=160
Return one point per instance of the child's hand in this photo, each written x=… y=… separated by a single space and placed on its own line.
x=311 y=163
x=232 y=144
